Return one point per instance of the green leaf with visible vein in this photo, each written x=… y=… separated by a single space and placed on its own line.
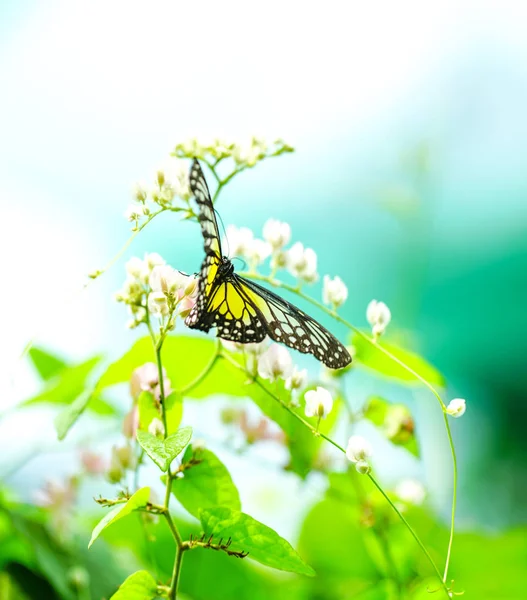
x=249 y=535
x=164 y=451
x=137 y=500
x=139 y=586
x=205 y=484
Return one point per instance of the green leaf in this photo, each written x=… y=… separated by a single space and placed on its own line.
x=371 y=357
x=395 y=421
x=67 y=418
x=248 y=535
x=68 y=384
x=205 y=484
x=223 y=379
x=164 y=451
x=139 y=586
x=332 y=539
x=137 y=500
x=184 y=358
x=46 y=364
x=150 y=409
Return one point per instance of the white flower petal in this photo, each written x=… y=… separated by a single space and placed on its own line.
x=318 y=403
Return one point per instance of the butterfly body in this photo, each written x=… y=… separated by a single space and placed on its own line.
x=243 y=311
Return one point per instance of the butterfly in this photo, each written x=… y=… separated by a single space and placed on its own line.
x=243 y=311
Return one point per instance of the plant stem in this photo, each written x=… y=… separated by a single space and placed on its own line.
x=415 y=536
x=180 y=546
x=204 y=373
x=339 y=447
x=373 y=342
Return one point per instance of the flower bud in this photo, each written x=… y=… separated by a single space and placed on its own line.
x=362 y=467
x=456 y=408
x=156 y=428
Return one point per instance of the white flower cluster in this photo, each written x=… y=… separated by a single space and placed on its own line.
x=301 y=262
x=244 y=154
x=155 y=288
x=171 y=182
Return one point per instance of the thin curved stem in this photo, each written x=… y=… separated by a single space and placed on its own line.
x=204 y=373
x=415 y=536
x=339 y=447
x=373 y=342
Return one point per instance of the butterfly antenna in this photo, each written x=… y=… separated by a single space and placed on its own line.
x=218 y=217
x=242 y=261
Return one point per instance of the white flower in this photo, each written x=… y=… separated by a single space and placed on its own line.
x=247 y=155
x=358 y=449
x=258 y=251
x=275 y=362
x=318 y=403
x=157 y=304
x=335 y=291
x=379 y=316
x=362 y=467
x=411 y=491
x=137 y=269
x=276 y=233
x=302 y=262
x=140 y=191
x=238 y=241
x=153 y=259
x=167 y=280
x=456 y=408
x=156 y=428
x=133 y=212
x=297 y=380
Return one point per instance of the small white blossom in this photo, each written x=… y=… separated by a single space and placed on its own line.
x=140 y=192
x=133 y=212
x=297 y=380
x=238 y=241
x=302 y=262
x=335 y=292
x=156 y=428
x=276 y=233
x=362 y=467
x=137 y=268
x=173 y=174
x=167 y=280
x=358 y=449
x=274 y=363
x=456 y=408
x=258 y=251
x=379 y=316
x=318 y=403
x=153 y=259
x=146 y=379
x=157 y=304
x=411 y=491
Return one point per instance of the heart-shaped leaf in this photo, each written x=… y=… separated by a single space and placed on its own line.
x=164 y=451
